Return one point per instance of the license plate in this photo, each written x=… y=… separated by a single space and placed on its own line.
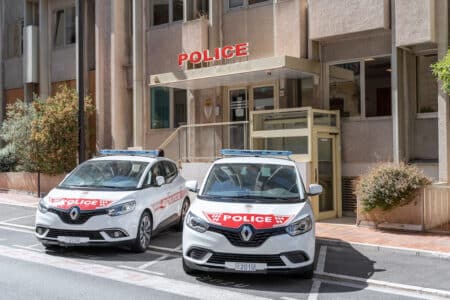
x=72 y=239
x=245 y=267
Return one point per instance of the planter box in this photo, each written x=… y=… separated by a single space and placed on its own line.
x=407 y=217
x=27 y=182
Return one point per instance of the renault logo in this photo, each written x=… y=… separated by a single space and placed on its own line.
x=74 y=213
x=246 y=233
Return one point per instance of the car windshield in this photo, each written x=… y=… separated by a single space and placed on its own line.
x=254 y=182
x=106 y=174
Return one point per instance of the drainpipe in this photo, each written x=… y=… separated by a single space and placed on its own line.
x=138 y=74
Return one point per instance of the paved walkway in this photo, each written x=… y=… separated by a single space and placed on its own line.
x=382 y=237
x=338 y=229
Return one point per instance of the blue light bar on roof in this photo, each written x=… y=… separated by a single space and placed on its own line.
x=129 y=152
x=236 y=152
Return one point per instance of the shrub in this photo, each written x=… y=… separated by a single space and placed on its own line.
x=54 y=131
x=15 y=132
x=441 y=70
x=389 y=185
x=8 y=159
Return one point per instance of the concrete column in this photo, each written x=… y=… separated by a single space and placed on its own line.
x=121 y=104
x=442 y=29
x=138 y=72
x=44 y=50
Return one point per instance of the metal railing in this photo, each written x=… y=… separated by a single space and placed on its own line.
x=203 y=142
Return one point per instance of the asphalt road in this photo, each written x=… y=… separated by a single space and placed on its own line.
x=343 y=271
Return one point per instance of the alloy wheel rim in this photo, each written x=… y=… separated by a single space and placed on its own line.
x=184 y=210
x=145 y=231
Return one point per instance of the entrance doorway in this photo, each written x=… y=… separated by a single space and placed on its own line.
x=325 y=170
x=238 y=112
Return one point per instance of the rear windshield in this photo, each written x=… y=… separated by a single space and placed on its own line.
x=253 y=183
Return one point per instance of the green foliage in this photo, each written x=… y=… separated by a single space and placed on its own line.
x=441 y=70
x=8 y=159
x=54 y=131
x=389 y=185
x=15 y=132
x=43 y=136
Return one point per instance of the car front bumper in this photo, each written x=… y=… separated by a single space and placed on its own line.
x=278 y=254
x=97 y=230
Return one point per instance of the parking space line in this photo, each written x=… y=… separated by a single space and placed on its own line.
x=151 y=263
x=166 y=249
x=320 y=267
x=17 y=225
x=18 y=218
x=314 y=292
x=288 y=298
x=163 y=284
x=141 y=270
x=16 y=229
x=28 y=248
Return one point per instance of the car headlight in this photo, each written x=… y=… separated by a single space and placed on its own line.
x=121 y=209
x=196 y=223
x=42 y=206
x=300 y=226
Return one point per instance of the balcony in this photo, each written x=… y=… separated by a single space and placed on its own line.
x=335 y=18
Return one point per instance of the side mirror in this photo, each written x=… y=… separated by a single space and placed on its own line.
x=160 y=180
x=192 y=185
x=315 y=189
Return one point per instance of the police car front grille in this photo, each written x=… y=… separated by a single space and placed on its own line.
x=270 y=260
x=82 y=218
x=92 y=235
x=259 y=236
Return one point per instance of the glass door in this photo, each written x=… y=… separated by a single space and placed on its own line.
x=326 y=175
x=238 y=112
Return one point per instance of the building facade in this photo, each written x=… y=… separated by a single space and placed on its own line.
x=156 y=68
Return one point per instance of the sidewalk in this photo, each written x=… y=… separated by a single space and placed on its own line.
x=18 y=198
x=350 y=233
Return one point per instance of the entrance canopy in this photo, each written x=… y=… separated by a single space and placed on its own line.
x=240 y=73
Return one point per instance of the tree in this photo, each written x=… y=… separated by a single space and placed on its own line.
x=441 y=70
x=54 y=131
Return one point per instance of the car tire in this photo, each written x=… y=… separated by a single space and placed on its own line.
x=144 y=234
x=183 y=213
x=188 y=270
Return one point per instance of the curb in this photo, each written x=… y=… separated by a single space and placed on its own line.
x=383 y=284
x=410 y=251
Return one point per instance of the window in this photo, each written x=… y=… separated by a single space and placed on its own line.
x=171 y=171
x=244 y=3
x=160 y=108
x=427 y=88
x=157 y=170
x=378 y=87
x=14 y=45
x=197 y=8
x=263 y=98
x=345 y=89
x=165 y=11
x=64 y=33
x=162 y=100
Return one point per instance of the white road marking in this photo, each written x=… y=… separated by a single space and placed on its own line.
x=32 y=205
x=154 y=282
x=166 y=249
x=18 y=218
x=140 y=270
x=320 y=267
x=16 y=229
x=17 y=225
x=288 y=298
x=28 y=248
x=151 y=263
x=379 y=284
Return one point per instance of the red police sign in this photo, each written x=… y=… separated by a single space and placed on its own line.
x=225 y=52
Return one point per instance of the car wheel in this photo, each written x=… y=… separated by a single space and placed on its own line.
x=188 y=270
x=184 y=210
x=144 y=234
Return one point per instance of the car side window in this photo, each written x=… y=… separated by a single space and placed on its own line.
x=156 y=170
x=171 y=171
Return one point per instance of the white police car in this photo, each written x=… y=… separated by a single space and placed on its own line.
x=252 y=214
x=121 y=198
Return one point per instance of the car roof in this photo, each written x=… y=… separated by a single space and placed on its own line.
x=148 y=159
x=254 y=160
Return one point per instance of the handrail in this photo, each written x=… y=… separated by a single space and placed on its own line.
x=175 y=133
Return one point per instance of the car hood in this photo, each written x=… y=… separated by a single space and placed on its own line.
x=85 y=200
x=259 y=215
